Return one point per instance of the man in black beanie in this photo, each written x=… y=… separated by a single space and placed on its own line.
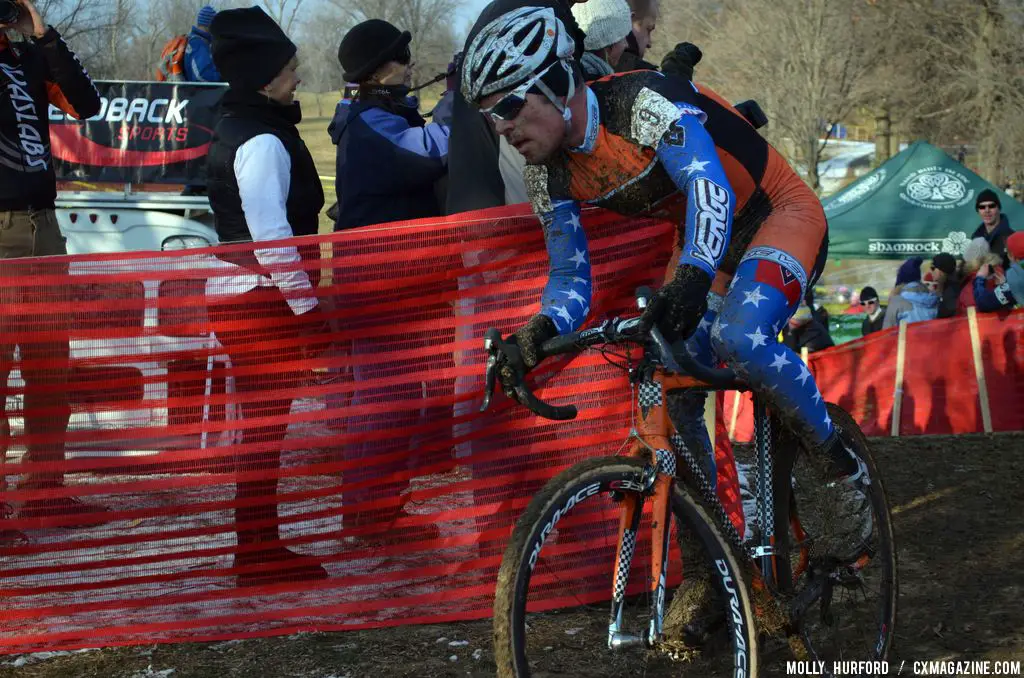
x=995 y=227
x=263 y=186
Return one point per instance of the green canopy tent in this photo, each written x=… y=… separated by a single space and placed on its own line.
x=918 y=203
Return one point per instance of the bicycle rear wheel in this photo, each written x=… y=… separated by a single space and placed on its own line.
x=846 y=601
x=552 y=603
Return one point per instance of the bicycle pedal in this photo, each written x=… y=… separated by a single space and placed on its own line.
x=678 y=650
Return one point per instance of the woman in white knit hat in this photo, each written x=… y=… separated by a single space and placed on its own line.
x=606 y=24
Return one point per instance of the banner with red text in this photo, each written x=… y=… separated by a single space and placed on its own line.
x=145 y=132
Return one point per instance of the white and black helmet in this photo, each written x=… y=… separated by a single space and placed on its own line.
x=512 y=49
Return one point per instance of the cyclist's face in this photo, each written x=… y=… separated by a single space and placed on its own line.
x=536 y=131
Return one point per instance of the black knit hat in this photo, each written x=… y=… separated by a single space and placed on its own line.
x=249 y=48
x=988 y=195
x=945 y=262
x=370 y=45
x=867 y=294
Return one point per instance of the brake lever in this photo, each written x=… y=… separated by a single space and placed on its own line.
x=497 y=346
x=492 y=340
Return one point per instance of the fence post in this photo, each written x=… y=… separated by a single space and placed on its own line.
x=897 y=397
x=735 y=414
x=711 y=416
x=979 y=369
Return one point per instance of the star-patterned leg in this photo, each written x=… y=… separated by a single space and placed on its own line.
x=746 y=337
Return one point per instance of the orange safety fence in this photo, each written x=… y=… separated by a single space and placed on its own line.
x=185 y=459
x=940 y=390
x=226 y=474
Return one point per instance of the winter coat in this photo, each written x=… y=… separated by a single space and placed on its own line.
x=997 y=238
x=913 y=303
x=388 y=162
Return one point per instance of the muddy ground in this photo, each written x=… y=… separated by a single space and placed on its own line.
x=959 y=517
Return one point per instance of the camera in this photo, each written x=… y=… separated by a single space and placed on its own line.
x=10 y=12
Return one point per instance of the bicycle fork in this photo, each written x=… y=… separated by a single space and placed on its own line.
x=657 y=483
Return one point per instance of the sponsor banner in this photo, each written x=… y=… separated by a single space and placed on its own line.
x=145 y=132
x=954 y=243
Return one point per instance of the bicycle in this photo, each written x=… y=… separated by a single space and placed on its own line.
x=777 y=589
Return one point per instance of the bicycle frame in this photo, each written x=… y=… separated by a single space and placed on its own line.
x=651 y=439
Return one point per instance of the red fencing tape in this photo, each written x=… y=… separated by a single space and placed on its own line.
x=940 y=391
x=224 y=474
x=194 y=460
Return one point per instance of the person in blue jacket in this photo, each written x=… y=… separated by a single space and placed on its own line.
x=1009 y=291
x=199 y=66
x=389 y=158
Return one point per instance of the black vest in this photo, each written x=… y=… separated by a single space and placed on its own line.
x=244 y=116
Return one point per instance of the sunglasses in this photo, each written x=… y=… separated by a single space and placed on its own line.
x=869 y=302
x=509 y=106
x=988 y=206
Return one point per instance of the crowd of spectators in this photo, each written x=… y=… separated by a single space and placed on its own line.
x=989 y=275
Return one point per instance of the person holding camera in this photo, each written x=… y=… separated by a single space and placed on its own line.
x=33 y=74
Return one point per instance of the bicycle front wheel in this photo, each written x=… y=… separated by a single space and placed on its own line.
x=552 y=603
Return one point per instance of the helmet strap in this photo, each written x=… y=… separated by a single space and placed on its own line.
x=556 y=101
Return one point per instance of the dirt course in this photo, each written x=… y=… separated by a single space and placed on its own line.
x=959 y=517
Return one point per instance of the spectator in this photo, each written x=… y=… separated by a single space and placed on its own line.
x=263 y=186
x=645 y=14
x=334 y=131
x=910 y=300
x=804 y=331
x=944 y=273
x=872 y=306
x=40 y=71
x=389 y=158
x=995 y=227
x=819 y=312
x=606 y=24
x=199 y=66
x=680 y=62
x=1009 y=289
x=976 y=255
x=481 y=169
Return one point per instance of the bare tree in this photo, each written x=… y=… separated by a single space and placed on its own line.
x=284 y=12
x=955 y=77
x=808 y=62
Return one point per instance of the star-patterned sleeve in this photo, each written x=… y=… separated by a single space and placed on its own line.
x=687 y=152
x=566 y=297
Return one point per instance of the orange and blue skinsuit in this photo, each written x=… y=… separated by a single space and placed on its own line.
x=655 y=146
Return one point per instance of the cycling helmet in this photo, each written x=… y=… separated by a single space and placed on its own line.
x=513 y=49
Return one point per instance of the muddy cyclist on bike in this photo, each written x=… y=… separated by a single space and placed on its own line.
x=751 y=235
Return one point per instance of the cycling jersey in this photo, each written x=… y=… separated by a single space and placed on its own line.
x=663 y=147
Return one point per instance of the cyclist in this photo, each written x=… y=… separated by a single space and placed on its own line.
x=640 y=143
